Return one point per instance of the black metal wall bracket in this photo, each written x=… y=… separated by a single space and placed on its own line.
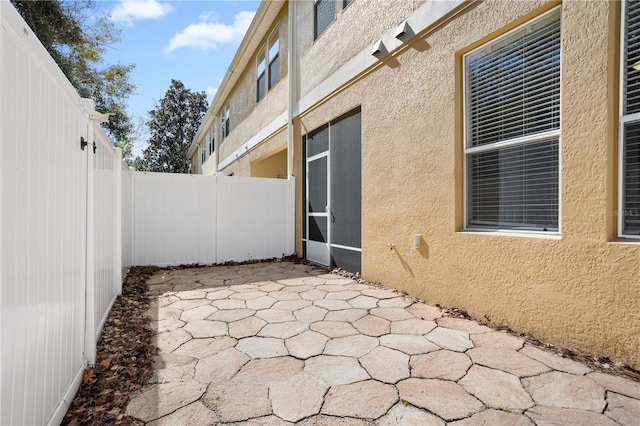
x=84 y=143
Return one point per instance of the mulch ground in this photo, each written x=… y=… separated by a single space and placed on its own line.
x=124 y=358
x=125 y=353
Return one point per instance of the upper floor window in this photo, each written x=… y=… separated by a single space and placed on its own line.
x=324 y=12
x=212 y=141
x=203 y=153
x=226 y=127
x=629 y=199
x=268 y=65
x=512 y=128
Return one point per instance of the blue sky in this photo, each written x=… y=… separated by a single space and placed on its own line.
x=188 y=40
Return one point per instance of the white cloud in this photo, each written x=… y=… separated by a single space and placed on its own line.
x=208 y=35
x=128 y=11
x=211 y=90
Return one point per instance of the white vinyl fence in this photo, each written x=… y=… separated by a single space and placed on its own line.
x=73 y=219
x=183 y=219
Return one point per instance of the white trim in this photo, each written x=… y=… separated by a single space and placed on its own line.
x=255 y=140
x=317 y=156
x=346 y=247
x=514 y=142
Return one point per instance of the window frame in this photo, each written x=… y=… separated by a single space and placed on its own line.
x=623 y=120
x=263 y=55
x=226 y=126
x=502 y=144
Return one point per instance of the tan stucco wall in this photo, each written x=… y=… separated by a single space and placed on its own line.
x=273 y=165
x=355 y=28
x=580 y=290
x=247 y=116
x=276 y=142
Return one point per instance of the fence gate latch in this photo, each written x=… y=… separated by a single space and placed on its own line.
x=94 y=147
x=83 y=143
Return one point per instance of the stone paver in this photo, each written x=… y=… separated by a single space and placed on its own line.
x=221 y=366
x=354 y=346
x=391 y=314
x=336 y=370
x=622 y=409
x=453 y=340
x=507 y=360
x=224 y=400
x=412 y=326
x=193 y=414
x=497 y=339
x=372 y=325
x=298 y=397
x=246 y=327
x=307 y=344
x=442 y=364
x=262 y=347
x=446 y=399
x=494 y=418
x=206 y=328
x=334 y=328
x=554 y=416
x=310 y=314
x=202 y=348
x=369 y=400
x=268 y=371
x=275 y=315
x=617 y=384
x=554 y=361
x=161 y=399
x=169 y=341
x=411 y=345
x=349 y=315
x=386 y=365
x=407 y=415
x=283 y=330
x=281 y=344
x=496 y=388
x=563 y=390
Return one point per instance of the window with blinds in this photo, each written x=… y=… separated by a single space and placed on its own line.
x=512 y=128
x=629 y=211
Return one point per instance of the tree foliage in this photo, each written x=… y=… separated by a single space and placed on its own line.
x=173 y=125
x=76 y=38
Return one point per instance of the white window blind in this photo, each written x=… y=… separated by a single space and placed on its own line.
x=630 y=139
x=512 y=129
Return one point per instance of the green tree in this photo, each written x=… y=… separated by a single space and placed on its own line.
x=173 y=125
x=76 y=39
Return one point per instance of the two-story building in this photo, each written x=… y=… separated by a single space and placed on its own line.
x=478 y=154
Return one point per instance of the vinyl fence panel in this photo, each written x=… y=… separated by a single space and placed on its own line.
x=174 y=219
x=126 y=220
x=42 y=229
x=253 y=218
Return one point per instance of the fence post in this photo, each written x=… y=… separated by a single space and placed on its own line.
x=117 y=221
x=291 y=216
x=90 y=295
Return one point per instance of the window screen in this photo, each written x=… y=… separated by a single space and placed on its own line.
x=512 y=100
x=324 y=14
x=630 y=167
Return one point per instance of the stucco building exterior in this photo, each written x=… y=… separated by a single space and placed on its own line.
x=483 y=155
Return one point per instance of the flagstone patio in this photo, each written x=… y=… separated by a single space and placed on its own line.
x=282 y=343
